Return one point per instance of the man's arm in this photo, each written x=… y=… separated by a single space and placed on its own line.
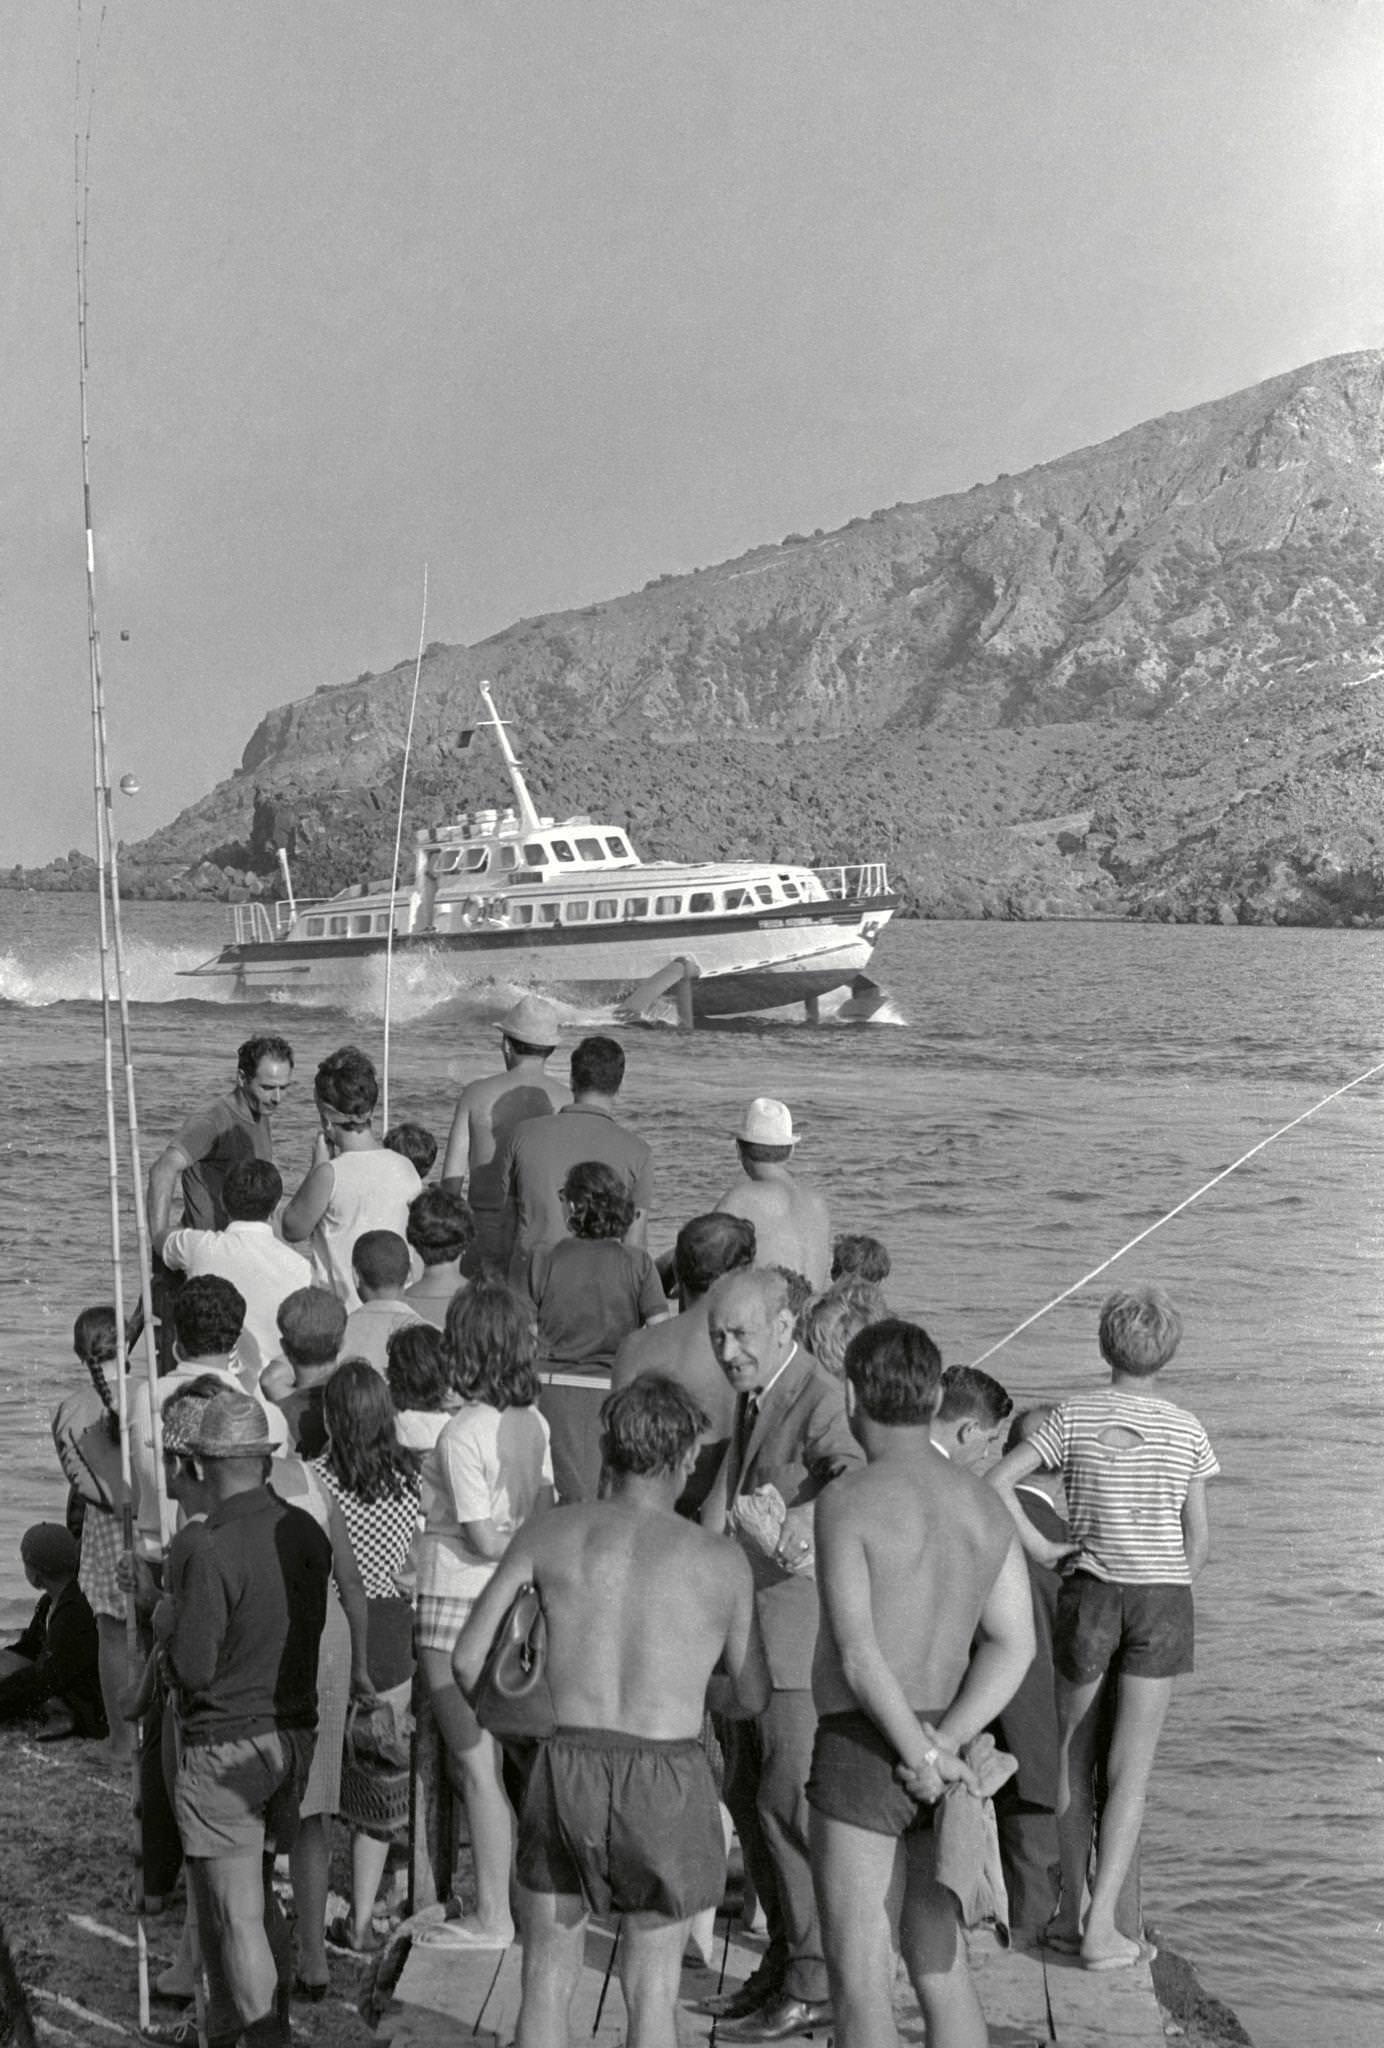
x=165 y=1179
x=201 y=1612
x=829 y=1449
x=1196 y=1529
x=456 y=1160
x=843 y=1582
x=744 y=1690
x=351 y=1589
x=1012 y=1467
x=1005 y=1649
x=514 y=1570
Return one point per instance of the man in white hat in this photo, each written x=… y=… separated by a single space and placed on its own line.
x=791 y=1225
x=490 y=1110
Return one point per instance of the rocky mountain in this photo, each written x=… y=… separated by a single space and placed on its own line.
x=1144 y=679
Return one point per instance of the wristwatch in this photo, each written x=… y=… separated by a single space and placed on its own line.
x=930 y=1757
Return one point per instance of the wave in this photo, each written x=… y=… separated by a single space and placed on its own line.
x=151 y=976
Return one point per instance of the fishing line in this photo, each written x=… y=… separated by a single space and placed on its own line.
x=1186 y=1203
x=398 y=843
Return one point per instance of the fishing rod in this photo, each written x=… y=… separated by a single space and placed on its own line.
x=112 y=964
x=398 y=843
x=1177 y=1209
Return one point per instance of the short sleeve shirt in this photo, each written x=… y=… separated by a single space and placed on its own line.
x=590 y=1294
x=1124 y=1501
x=488 y=1465
x=219 y=1137
x=541 y=1154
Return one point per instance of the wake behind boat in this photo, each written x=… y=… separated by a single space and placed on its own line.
x=569 y=905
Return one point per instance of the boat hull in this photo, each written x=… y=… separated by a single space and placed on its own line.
x=736 y=966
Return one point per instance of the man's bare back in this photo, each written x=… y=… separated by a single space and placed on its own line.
x=680 y=1349
x=791 y=1224
x=487 y=1114
x=925 y=1542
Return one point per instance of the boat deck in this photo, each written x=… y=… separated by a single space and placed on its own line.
x=450 y=1998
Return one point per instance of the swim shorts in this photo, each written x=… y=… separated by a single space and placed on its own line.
x=852 y=1777
x=632 y=1826
x=1140 y=1631
x=230 y=1797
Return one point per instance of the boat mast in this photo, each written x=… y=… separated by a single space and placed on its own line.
x=528 y=816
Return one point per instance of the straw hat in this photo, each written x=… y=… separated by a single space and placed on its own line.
x=766 y=1122
x=532 y=1021
x=232 y=1425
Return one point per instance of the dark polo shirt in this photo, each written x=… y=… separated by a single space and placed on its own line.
x=249 y=1589
x=538 y=1160
x=219 y=1137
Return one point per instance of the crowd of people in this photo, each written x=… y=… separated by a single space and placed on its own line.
x=800 y=1586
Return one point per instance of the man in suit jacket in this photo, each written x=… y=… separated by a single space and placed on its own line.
x=789 y=1432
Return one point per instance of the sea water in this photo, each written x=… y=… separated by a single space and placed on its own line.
x=1032 y=1097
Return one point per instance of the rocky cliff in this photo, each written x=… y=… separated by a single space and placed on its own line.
x=1145 y=679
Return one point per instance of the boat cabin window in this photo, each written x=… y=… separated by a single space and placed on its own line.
x=381 y=920
x=590 y=849
x=578 y=913
x=476 y=859
x=764 y=892
x=636 y=906
x=314 y=927
x=521 y=913
x=616 y=847
x=701 y=901
x=509 y=856
x=535 y=854
x=737 y=899
x=361 y=923
x=607 y=906
x=791 y=889
x=549 y=913
x=668 y=906
x=336 y=927
x=562 y=851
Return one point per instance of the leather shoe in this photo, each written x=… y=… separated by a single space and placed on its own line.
x=752 y=1996
x=780 y=2020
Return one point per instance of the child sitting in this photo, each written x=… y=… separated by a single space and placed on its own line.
x=53 y=1666
x=1135 y=1471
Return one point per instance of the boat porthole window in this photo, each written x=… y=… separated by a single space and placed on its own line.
x=314 y=927
x=360 y=924
x=701 y=902
x=549 y=913
x=737 y=899
x=590 y=849
x=668 y=906
x=562 y=851
x=381 y=920
x=607 y=906
x=521 y=913
x=636 y=906
x=764 y=892
x=449 y=863
x=509 y=856
x=535 y=854
x=577 y=913
x=336 y=927
x=477 y=860
x=616 y=847
x=791 y=889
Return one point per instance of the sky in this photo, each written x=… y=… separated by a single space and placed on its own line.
x=556 y=296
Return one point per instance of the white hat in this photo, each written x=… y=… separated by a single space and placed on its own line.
x=532 y=1021
x=766 y=1122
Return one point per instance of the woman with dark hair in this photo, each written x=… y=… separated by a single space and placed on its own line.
x=355 y=1184
x=374 y=1482
x=86 y=1433
x=488 y=1472
x=442 y=1230
x=591 y=1291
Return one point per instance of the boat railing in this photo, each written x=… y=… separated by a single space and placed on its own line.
x=860 y=878
x=262 y=924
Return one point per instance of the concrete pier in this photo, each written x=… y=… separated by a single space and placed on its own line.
x=462 y=1999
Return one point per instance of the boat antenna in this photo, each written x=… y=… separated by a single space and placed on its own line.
x=528 y=816
x=112 y=950
x=398 y=843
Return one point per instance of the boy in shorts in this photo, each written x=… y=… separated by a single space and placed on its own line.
x=1135 y=1470
x=926 y=1632
x=620 y=1813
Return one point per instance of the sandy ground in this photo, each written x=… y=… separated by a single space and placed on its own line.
x=65 y=1832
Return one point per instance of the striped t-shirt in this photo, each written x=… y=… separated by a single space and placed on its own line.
x=1124 y=1504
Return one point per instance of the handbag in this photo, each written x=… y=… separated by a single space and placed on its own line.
x=511 y=1698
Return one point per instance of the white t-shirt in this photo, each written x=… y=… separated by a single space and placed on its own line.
x=488 y=1465
x=262 y=1266
x=369 y=1329
x=370 y=1191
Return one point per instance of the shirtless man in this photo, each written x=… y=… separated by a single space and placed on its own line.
x=912 y=1565
x=790 y=1219
x=489 y=1110
x=679 y=1348
x=209 y=1144
x=620 y=1813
